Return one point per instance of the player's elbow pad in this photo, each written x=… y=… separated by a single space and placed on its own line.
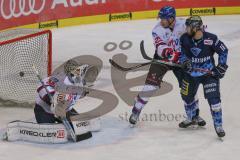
x=223 y=57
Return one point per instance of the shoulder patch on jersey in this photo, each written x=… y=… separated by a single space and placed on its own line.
x=195 y=51
x=208 y=42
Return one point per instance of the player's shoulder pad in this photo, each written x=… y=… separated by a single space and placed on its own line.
x=211 y=37
x=158 y=30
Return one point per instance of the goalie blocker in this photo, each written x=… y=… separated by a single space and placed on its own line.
x=49 y=133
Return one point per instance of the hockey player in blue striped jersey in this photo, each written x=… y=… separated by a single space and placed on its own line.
x=197 y=51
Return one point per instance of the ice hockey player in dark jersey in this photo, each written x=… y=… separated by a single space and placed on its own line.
x=197 y=51
x=44 y=108
x=166 y=36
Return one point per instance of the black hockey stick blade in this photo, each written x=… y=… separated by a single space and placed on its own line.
x=83 y=136
x=143 y=52
x=117 y=66
x=121 y=68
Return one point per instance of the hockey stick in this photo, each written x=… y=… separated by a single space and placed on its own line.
x=121 y=68
x=143 y=52
x=64 y=119
x=145 y=56
x=209 y=72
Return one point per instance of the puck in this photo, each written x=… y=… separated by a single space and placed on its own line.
x=21 y=74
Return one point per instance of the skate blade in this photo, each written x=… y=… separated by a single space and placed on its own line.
x=221 y=139
x=133 y=125
x=192 y=128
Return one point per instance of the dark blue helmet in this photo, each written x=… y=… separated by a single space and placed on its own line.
x=167 y=12
x=194 y=22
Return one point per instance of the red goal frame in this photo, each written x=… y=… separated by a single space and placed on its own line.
x=49 y=67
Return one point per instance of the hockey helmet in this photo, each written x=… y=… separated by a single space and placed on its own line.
x=194 y=22
x=167 y=12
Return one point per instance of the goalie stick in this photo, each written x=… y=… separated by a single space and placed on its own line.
x=64 y=119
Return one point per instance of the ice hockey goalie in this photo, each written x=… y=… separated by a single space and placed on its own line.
x=49 y=111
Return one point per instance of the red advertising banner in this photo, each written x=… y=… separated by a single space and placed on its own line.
x=21 y=12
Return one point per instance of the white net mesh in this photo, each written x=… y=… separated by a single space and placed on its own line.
x=19 y=50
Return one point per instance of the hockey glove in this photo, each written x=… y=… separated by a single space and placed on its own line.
x=187 y=66
x=220 y=70
x=166 y=53
x=170 y=55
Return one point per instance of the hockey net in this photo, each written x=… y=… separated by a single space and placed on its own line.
x=20 y=49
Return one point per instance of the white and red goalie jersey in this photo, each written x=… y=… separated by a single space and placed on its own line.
x=43 y=100
x=167 y=41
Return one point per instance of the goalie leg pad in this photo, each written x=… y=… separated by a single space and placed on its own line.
x=81 y=127
x=38 y=133
x=93 y=125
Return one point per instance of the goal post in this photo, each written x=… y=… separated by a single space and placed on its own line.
x=19 y=50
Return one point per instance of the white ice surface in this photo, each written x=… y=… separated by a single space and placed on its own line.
x=161 y=140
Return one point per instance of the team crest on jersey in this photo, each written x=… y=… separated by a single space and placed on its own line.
x=196 y=51
x=208 y=42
